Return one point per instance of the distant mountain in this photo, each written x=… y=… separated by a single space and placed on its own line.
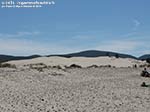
x=96 y=53
x=4 y=58
x=88 y=53
x=145 y=57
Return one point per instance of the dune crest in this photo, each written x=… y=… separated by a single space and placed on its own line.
x=82 y=61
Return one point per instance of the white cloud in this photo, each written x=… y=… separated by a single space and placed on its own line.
x=145 y=51
x=28 y=47
x=18 y=34
x=83 y=37
x=136 y=24
x=129 y=34
x=123 y=46
x=131 y=46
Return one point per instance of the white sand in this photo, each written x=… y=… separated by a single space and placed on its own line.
x=82 y=61
x=74 y=90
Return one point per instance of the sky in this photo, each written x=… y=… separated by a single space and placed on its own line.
x=76 y=25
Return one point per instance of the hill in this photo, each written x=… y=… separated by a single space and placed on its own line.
x=88 y=53
x=96 y=53
x=4 y=58
x=144 y=57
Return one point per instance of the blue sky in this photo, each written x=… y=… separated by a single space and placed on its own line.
x=75 y=25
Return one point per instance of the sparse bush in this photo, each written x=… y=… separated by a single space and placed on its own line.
x=7 y=65
x=56 y=74
x=144 y=73
x=141 y=66
x=144 y=85
x=135 y=66
x=40 y=69
x=148 y=65
x=148 y=60
x=75 y=66
x=144 y=65
x=38 y=66
x=58 y=67
x=93 y=66
x=109 y=66
x=113 y=66
x=117 y=55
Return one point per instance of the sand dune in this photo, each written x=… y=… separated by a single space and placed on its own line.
x=82 y=61
x=102 y=89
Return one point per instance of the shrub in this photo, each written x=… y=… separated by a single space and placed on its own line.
x=144 y=65
x=144 y=85
x=109 y=66
x=135 y=66
x=148 y=65
x=75 y=66
x=58 y=67
x=117 y=55
x=148 y=60
x=38 y=66
x=93 y=66
x=7 y=65
x=40 y=69
x=56 y=74
x=145 y=74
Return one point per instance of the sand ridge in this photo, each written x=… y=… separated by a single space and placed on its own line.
x=82 y=61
